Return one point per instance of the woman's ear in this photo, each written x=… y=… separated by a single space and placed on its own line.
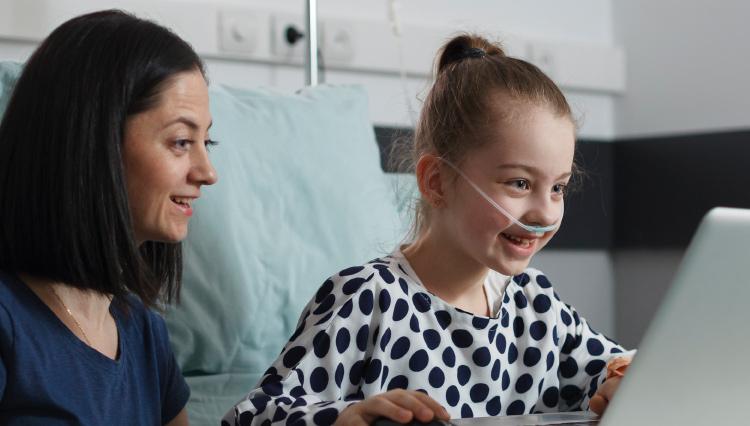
x=429 y=179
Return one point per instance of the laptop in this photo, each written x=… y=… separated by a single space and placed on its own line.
x=693 y=364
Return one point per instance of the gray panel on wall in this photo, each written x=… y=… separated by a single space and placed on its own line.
x=643 y=277
x=585 y=280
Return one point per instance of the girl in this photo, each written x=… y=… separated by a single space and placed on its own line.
x=102 y=151
x=455 y=314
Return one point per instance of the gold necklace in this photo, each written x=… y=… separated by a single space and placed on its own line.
x=85 y=337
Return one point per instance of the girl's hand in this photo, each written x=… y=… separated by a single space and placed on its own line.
x=603 y=395
x=615 y=371
x=398 y=405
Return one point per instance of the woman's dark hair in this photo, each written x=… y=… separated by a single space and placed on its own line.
x=475 y=85
x=64 y=212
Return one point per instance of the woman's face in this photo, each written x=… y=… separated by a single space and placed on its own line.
x=165 y=158
x=524 y=169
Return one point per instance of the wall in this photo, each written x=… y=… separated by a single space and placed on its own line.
x=589 y=23
x=687 y=66
x=687 y=73
x=643 y=278
x=578 y=34
x=584 y=278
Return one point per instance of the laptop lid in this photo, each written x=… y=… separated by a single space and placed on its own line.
x=693 y=365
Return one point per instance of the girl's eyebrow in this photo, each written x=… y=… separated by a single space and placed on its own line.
x=530 y=169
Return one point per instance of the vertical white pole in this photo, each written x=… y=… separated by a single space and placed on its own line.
x=311 y=70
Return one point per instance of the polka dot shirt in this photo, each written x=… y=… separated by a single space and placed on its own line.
x=373 y=328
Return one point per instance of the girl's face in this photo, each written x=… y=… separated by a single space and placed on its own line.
x=525 y=169
x=165 y=157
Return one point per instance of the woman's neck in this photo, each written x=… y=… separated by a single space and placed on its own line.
x=449 y=272
x=85 y=312
x=88 y=305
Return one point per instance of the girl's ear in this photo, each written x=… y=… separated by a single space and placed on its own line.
x=429 y=179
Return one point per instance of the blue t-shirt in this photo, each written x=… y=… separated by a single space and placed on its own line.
x=48 y=376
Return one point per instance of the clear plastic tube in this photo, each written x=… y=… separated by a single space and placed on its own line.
x=538 y=230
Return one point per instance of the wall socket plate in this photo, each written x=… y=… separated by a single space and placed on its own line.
x=338 y=41
x=238 y=31
x=280 y=47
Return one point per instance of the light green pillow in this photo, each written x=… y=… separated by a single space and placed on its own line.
x=9 y=73
x=300 y=196
x=405 y=193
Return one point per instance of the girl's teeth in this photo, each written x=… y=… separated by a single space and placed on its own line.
x=520 y=241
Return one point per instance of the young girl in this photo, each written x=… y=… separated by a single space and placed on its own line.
x=453 y=324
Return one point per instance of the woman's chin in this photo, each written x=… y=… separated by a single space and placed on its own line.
x=169 y=237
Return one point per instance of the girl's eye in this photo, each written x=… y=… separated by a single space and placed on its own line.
x=560 y=189
x=521 y=184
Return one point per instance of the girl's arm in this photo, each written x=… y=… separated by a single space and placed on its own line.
x=317 y=374
x=584 y=355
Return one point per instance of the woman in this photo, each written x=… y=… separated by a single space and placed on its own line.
x=103 y=148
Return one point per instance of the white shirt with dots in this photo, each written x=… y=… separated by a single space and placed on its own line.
x=374 y=327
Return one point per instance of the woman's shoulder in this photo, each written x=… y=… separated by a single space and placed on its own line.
x=139 y=318
x=9 y=287
x=17 y=300
x=8 y=300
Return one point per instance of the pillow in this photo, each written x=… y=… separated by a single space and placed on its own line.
x=9 y=73
x=405 y=193
x=300 y=196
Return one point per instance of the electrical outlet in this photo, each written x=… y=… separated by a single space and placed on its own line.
x=238 y=31
x=338 y=42
x=543 y=55
x=516 y=47
x=286 y=43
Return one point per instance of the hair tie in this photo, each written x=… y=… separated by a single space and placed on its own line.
x=474 y=52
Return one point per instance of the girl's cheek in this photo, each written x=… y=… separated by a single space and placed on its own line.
x=495 y=220
x=543 y=242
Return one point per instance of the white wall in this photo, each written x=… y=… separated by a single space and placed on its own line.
x=688 y=66
x=582 y=30
x=584 y=21
x=589 y=22
x=583 y=278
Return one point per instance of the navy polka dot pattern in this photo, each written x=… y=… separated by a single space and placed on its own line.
x=374 y=327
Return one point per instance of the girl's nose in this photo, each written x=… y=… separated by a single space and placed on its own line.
x=544 y=211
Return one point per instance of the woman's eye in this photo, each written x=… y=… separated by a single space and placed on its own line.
x=209 y=143
x=182 y=144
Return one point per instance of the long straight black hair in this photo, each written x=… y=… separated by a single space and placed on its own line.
x=64 y=212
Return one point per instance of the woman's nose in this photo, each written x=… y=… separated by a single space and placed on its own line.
x=202 y=171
